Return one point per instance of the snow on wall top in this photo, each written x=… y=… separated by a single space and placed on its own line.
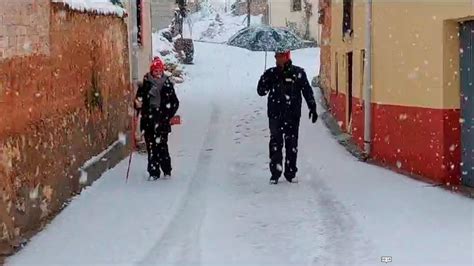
x=103 y=7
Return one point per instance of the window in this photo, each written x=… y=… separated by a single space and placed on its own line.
x=347 y=18
x=296 y=5
x=139 y=22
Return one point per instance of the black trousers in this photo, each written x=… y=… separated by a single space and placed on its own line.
x=283 y=132
x=158 y=153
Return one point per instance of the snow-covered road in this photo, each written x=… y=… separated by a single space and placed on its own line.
x=218 y=209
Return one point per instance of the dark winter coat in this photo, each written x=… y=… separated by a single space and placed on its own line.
x=157 y=118
x=285 y=87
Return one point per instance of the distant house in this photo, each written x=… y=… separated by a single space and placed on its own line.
x=299 y=15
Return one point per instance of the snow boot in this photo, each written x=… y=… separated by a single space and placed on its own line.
x=291 y=179
x=273 y=180
x=153 y=178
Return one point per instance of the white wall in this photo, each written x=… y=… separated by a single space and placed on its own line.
x=162 y=12
x=140 y=56
x=280 y=13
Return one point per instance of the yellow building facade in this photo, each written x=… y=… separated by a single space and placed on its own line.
x=421 y=80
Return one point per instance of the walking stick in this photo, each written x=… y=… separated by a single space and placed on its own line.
x=132 y=149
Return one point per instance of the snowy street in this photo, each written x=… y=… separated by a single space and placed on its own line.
x=218 y=208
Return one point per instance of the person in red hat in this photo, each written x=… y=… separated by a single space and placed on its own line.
x=285 y=85
x=157 y=102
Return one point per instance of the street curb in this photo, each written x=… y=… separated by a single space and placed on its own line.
x=346 y=141
x=342 y=137
x=110 y=159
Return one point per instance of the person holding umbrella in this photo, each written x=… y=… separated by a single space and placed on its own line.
x=285 y=84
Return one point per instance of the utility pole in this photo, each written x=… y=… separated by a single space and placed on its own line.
x=248 y=13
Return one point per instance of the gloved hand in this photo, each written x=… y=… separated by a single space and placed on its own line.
x=313 y=115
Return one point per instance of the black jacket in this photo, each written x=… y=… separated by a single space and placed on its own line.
x=168 y=107
x=285 y=87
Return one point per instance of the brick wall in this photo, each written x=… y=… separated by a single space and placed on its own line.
x=59 y=108
x=24 y=27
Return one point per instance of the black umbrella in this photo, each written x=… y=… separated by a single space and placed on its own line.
x=266 y=39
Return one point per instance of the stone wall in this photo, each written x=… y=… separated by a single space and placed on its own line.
x=24 y=27
x=61 y=102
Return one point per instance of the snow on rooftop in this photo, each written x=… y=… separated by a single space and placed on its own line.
x=103 y=7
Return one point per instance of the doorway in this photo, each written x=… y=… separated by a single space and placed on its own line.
x=467 y=102
x=349 y=60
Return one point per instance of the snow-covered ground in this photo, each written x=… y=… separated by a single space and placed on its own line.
x=164 y=49
x=218 y=209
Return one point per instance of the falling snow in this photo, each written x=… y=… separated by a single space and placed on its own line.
x=399 y=164
x=403 y=116
x=83 y=177
x=122 y=138
x=279 y=167
x=34 y=193
x=221 y=200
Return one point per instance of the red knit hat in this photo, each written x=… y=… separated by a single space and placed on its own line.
x=157 y=64
x=287 y=54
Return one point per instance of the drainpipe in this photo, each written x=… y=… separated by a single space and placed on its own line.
x=133 y=40
x=368 y=82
